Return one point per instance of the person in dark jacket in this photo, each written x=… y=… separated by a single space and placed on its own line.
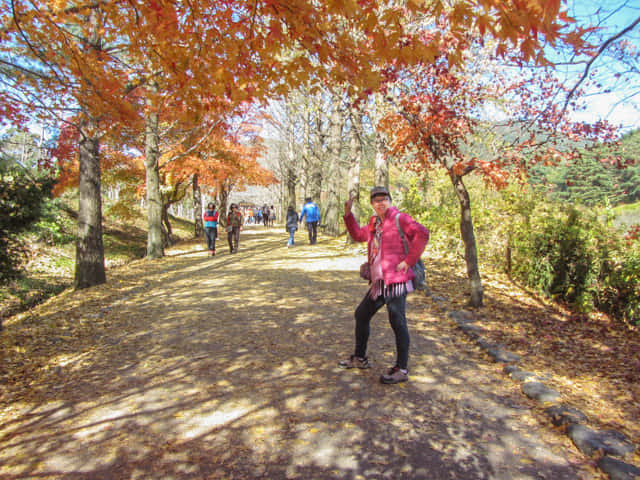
x=292 y=224
x=233 y=227
x=390 y=277
x=211 y=227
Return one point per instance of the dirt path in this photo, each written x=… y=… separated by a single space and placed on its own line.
x=225 y=368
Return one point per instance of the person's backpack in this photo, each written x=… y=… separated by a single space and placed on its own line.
x=420 y=280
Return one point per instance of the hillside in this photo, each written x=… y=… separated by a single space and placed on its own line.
x=51 y=246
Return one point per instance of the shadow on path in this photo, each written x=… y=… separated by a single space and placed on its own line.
x=196 y=367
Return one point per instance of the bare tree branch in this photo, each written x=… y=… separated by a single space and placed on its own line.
x=602 y=48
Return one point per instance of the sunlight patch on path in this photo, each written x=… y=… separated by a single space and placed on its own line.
x=226 y=367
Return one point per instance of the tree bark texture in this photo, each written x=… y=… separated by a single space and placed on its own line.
x=381 y=169
x=314 y=174
x=332 y=215
x=355 y=162
x=89 y=269
x=167 y=231
x=155 y=248
x=223 y=196
x=307 y=159
x=291 y=178
x=197 y=207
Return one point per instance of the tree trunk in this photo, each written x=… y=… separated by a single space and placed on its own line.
x=155 y=247
x=167 y=231
x=223 y=197
x=307 y=160
x=332 y=212
x=197 y=207
x=355 y=161
x=90 y=269
x=381 y=169
x=469 y=239
x=314 y=175
x=290 y=179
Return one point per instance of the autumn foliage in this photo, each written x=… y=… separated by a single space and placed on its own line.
x=124 y=71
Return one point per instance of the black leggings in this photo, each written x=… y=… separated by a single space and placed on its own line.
x=396 y=309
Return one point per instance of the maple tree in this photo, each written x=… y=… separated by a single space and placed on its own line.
x=56 y=67
x=480 y=117
x=60 y=56
x=222 y=160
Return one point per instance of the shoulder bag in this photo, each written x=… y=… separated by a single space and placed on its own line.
x=420 y=280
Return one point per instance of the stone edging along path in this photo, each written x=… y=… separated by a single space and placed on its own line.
x=613 y=445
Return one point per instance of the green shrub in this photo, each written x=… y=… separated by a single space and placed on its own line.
x=432 y=202
x=568 y=253
x=558 y=256
x=619 y=292
x=578 y=257
x=54 y=227
x=21 y=204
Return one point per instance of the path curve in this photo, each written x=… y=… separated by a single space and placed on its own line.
x=195 y=367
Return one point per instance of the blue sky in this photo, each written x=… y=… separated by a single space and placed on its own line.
x=614 y=90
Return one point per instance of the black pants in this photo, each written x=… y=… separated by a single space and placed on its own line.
x=211 y=234
x=396 y=309
x=234 y=239
x=313 y=231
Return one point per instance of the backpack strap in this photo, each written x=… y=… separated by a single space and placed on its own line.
x=404 y=241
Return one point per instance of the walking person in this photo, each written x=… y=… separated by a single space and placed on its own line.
x=312 y=212
x=233 y=227
x=292 y=224
x=389 y=276
x=272 y=216
x=211 y=227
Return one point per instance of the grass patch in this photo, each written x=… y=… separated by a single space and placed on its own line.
x=51 y=245
x=627 y=215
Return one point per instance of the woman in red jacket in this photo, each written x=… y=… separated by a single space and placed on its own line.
x=390 y=277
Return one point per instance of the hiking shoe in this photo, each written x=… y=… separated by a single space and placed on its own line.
x=354 y=362
x=395 y=375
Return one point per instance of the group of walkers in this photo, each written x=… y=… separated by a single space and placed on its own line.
x=232 y=225
x=309 y=210
x=236 y=218
x=395 y=242
x=265 y=215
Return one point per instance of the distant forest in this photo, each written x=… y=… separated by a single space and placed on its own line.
x=601 y=175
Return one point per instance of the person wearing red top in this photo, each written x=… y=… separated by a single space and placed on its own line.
x=211 y=227
x=390 y=277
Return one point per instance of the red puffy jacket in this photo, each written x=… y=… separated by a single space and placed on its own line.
x=392 y=248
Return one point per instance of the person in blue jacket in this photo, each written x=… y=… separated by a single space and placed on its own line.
x=312 y=212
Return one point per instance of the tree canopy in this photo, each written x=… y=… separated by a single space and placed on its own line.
x=159 y=77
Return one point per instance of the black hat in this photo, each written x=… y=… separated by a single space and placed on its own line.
x=379 y=191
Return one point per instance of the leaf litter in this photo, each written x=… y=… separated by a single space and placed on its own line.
x=193 y=350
